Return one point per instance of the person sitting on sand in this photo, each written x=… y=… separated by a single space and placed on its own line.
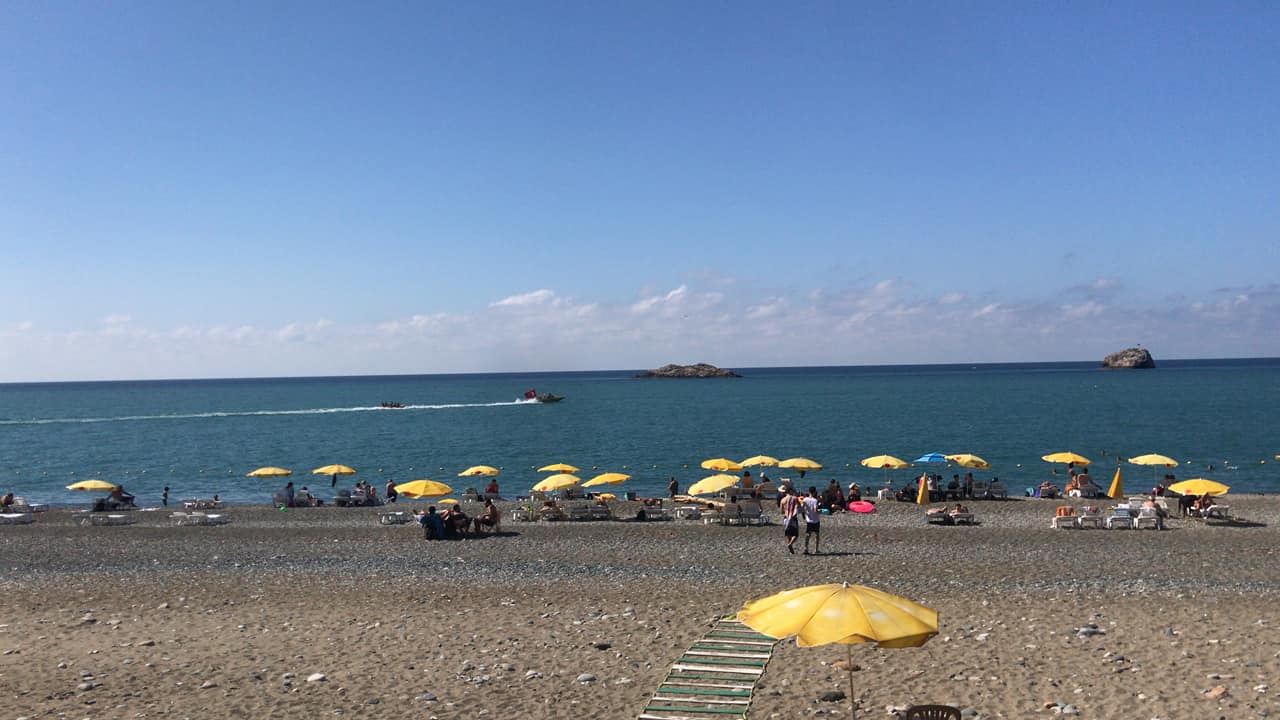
x=391 y=492
x=491 y=490
x=432 y=524
x=489 y=518
x=6 y=502
x=119 y=498
x=456 y=523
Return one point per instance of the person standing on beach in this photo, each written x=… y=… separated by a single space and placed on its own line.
x=164 y=497
x=790 y=507
x=812 y=520
x=673 y=486
x=391 y=491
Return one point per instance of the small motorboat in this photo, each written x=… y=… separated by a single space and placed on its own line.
x=542 y=397
x=392 y=406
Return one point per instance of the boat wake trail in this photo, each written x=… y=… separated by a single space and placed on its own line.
x=260 y=413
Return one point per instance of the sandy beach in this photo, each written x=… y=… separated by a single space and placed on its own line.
x=323 y=612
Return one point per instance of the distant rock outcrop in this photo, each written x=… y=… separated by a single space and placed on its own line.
x=700 y=370
x=1131 y=359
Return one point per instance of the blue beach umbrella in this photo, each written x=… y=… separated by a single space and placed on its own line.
x=931 y=458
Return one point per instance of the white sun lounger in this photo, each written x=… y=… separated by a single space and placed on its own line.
x=16 y=518
x=98 y=519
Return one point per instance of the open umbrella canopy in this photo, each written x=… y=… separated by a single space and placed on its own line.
x=933 y=457
x=270 y=472
x=447 y=501
x=721 y=465
x=93 y=484
x=1199 y=486
x=970 y=461
x=841 y=613
x=607 y=496
x=712 y=483
x=556 y=482
x=479 y=470
x=764 y=460
x=1066 y=457
x=799 y=463
x=423 y=489
x=1154 y=459
x=609 y=478
x=884 y=461
x=332 y=470
x=558 y=468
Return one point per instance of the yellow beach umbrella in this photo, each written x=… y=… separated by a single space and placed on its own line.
x=842 y=613
x=721 y=465
x=1116 y=491
x=970 y=461
x=762 y=460
x=1199 y=486
x=92 y=485
x=447 y=501
x=884 y=461
x=556 y=482
x=922 y=495
x=479 y=470
x=270 y=472
x=423 y=489
x=558 y=468
x=712 y=483
x=802 y=464
x=1156 y=461
x=1066 y=457
x=334 y=470
x=609 y=478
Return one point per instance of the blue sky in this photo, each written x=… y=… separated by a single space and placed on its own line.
x=234 y=189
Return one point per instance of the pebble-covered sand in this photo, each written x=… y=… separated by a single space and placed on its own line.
x=324 y=613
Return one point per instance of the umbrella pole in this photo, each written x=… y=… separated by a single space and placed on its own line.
x=853 y=704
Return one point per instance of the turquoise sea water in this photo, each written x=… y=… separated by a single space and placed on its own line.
x=200 y=437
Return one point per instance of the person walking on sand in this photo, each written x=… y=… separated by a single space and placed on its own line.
x=789 y=505
x=812 y=520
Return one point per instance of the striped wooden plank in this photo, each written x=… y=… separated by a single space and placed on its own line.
x=715 y=678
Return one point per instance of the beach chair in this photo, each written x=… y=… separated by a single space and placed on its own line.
x=959 y=518
x=16 y=518
x=981 y=490
x=596 y=511
x=996 y=490
x=1064 y=516
x=20 y=505
x=751 y=513
x=1147 y=517
x=399 y=517
x=100 y=519
x=1120 y=517
x=578 y=511
x=523 y=514
x=1091 y=516
x=932 y=712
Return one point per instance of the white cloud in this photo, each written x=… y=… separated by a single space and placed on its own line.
x=537 y=297
x=885 y=322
